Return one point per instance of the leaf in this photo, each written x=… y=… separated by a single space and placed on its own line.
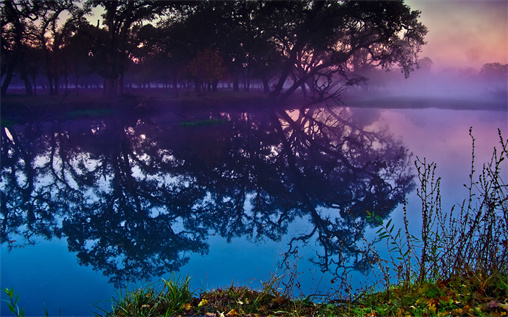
x=412 y=236
x=9 y=292
x=11 y=308
x=432 y=308
x=278 y=300
x=203 y=302
x=232 y=313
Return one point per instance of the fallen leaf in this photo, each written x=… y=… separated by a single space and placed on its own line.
x=203 y=302
x=492 y=304
x=187 y=306
x=432 y=308
x=278 y=300
x=210 y=315
x=232 y=313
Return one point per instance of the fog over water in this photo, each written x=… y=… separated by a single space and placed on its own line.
x=452 y=88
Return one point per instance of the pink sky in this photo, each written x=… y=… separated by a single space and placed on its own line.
x=464 y=33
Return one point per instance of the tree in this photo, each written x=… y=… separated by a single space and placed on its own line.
x=494 y=71
x=119 y=18
x=16 y=15
x=207 y=67
x=77 y=51
x=318 y=39
x=51 y=45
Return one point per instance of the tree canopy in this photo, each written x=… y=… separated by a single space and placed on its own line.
x=283 y=45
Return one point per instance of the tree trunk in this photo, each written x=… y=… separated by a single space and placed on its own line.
x=266 y=87
x=28 y=85
x=175 y=86
x=236 y=85
x=7 y=80
x=34 y=84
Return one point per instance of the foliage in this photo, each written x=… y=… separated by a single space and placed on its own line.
x=148 y=301
x=453 y=243
x=12 y=303
x=300 y=43
x=207 y=67
x=472 y=294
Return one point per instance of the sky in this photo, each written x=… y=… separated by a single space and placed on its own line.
x=464 y=33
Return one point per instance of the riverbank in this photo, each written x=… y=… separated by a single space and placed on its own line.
x=468 y=294
x=20 y=108
x=91 y=103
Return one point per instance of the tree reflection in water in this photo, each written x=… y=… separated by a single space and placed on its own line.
x=134 y=197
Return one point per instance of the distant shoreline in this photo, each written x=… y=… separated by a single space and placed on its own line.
x=421 y=102
x=92 y=102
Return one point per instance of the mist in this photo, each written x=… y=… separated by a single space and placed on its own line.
x=449 y=88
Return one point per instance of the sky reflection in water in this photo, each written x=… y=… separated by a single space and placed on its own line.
x=217 y=196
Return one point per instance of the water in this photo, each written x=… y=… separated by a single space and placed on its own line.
x=94 y=204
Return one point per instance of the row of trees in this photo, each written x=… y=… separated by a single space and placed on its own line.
x=285 y=45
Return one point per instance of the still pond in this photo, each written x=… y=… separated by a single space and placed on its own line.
x=95 y=204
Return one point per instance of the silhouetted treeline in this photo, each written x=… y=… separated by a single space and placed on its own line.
x=282 y=46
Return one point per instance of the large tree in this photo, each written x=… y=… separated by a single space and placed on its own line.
x=48 y=24
x=119 y=17
x=319 y=39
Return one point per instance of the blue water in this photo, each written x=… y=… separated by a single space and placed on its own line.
x=93 y=205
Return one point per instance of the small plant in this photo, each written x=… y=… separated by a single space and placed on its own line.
x=12 y=303
x=469 y=239
x=174 y=297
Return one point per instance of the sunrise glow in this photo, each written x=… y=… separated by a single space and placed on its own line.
x=464 y=34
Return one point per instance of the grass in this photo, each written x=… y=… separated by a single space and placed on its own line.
x=457 y=266
x=149 y=301
x=471 y=295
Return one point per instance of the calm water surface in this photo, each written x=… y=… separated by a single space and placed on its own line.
x=92 y=205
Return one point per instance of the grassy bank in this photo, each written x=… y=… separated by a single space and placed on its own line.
x=471 y=294
x=465 y=295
